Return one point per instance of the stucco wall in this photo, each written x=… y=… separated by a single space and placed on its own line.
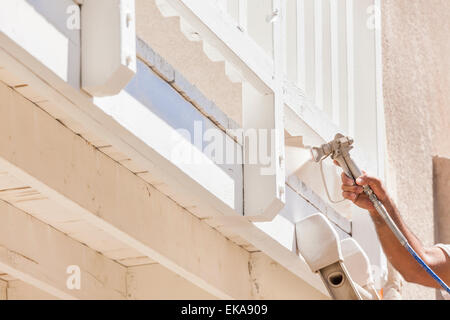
x=416 y=58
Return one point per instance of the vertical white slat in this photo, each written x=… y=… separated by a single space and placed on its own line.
x=243 y=13
x=326 y=56
x=335 y=61
x=342 y=47
x=306 y=47
x=365 y=86
x=265 y=187
x=339 y=63
x=222 y=4
x=281 y=38
x=233 y=10
x=350 y=67
x=318 y=34
x=291 y=41
x=257 y=26
x=323 y=55
x=279 y=48
x=364 y=112
x=381 y=138
x=301 y=45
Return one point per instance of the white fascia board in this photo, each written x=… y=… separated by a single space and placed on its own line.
x=153 y=116
x=26 y=61
x=42 y=32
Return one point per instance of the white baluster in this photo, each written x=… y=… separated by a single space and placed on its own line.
x=350 y=68
x=339 y=62
x=306 y=47
x=318 y=33
x=243 y=12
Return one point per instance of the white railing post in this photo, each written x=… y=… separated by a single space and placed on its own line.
x=350 y=68
x=223 y=5
x=318 y=34
x=306 y=47
x=243 y=11
x=335 y=61
x=339 y=63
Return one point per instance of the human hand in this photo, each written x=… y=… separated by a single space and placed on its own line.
x=355 y=192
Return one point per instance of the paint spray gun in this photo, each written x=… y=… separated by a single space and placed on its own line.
x=339 y=150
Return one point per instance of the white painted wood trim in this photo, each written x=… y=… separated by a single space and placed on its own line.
x=335 y=61
x=179 y=216
x=166 y=231
x=237 y=48
x=179 y=83
x=243 y=7
x=318 y=49
x=74 y=107
x=350 y=67
x=108 y=45
x=381 y=125
x=301 y=44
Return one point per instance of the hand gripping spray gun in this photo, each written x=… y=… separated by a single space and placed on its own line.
x=339 y=150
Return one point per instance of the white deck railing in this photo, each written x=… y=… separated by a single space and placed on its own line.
x=330 y=52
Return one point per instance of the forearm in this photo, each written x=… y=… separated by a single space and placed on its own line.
x=399 y=257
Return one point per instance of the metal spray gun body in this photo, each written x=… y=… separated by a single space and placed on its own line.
x=339 y=150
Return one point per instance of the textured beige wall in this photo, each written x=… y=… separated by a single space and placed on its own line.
x=416 y=58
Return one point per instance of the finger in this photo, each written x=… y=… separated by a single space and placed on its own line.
x=336 y=163
x=349 y=195
x=373 y=182
x=346 y=180
x=354 y=189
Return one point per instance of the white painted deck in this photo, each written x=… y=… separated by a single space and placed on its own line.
x=96 y=174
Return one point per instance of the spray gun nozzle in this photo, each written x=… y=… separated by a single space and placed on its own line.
x=331 y=148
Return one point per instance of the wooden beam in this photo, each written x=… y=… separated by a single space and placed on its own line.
x=3 y=290
x=19 y=290
x=66 y=169
x=39 y=255
x=154 y=282
x=272 y=281
x=63 y=167
x=74 y=107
